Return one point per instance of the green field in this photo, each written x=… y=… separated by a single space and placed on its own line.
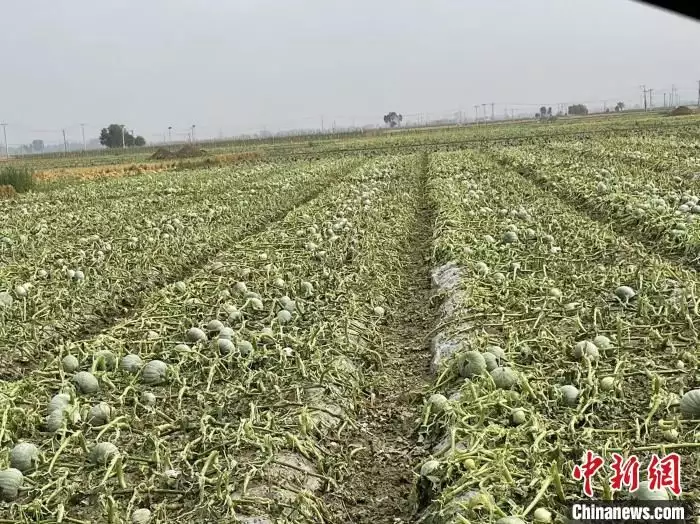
x=380 y=140
x=410 y=326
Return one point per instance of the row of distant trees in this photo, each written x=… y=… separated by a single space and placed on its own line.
x=110 y=137
x=37 y=146
x=576 y=109
x=394 y=119
x=116 y=135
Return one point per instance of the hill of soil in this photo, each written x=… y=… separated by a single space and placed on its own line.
x=189 y=151
x=186 y=151
x=682 y=111
x=162 y=154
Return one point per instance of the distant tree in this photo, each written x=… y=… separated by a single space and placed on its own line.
x=37 y=146
x=139 y=141
x=620 y=107
x=578 y=109
x=607 y=109
x=543 y=111
x=112 y=137
x=549 y=111
x=393 y=119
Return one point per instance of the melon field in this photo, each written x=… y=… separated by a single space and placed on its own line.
x=421 y=328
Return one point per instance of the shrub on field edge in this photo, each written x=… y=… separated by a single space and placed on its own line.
x=7 y=192
x=19 y=177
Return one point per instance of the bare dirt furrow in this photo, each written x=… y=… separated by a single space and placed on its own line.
x=378 y=488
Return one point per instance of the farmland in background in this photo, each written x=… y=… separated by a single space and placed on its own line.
x=371 y=140
x=424 y=325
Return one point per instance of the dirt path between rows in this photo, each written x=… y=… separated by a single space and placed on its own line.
x=378 y=488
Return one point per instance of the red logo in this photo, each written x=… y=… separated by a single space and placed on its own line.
x=625 y=473
x=591 y=464
x=663 y=473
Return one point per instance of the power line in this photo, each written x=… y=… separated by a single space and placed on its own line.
x=459 y=114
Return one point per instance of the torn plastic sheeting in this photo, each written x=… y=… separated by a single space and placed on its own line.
x=290 y=472
x=452 y=303
x=447 y=276
x=255 y=520
x=442 y=348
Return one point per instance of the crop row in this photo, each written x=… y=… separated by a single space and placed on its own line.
x=557 y=336
x=658 y=209
x=655 y=152
x=72 y=286
x=228 y=395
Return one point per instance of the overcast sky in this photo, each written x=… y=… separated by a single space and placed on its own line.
x=233 y=66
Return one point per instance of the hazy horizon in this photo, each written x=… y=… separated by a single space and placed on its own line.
x=232 y=68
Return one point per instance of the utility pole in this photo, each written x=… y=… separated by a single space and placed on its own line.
x=651 y=98
x=4 y=132
x=492 y=115
x=476 y=113
x=483 y=107
x=698 y=92
x=644 y=90
x=664 y=99
x=193 y=137
x=123 y=138
x=321 y=123
x=170 y=134
x=673 y=95
x=82 y=130
x=65 y=143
